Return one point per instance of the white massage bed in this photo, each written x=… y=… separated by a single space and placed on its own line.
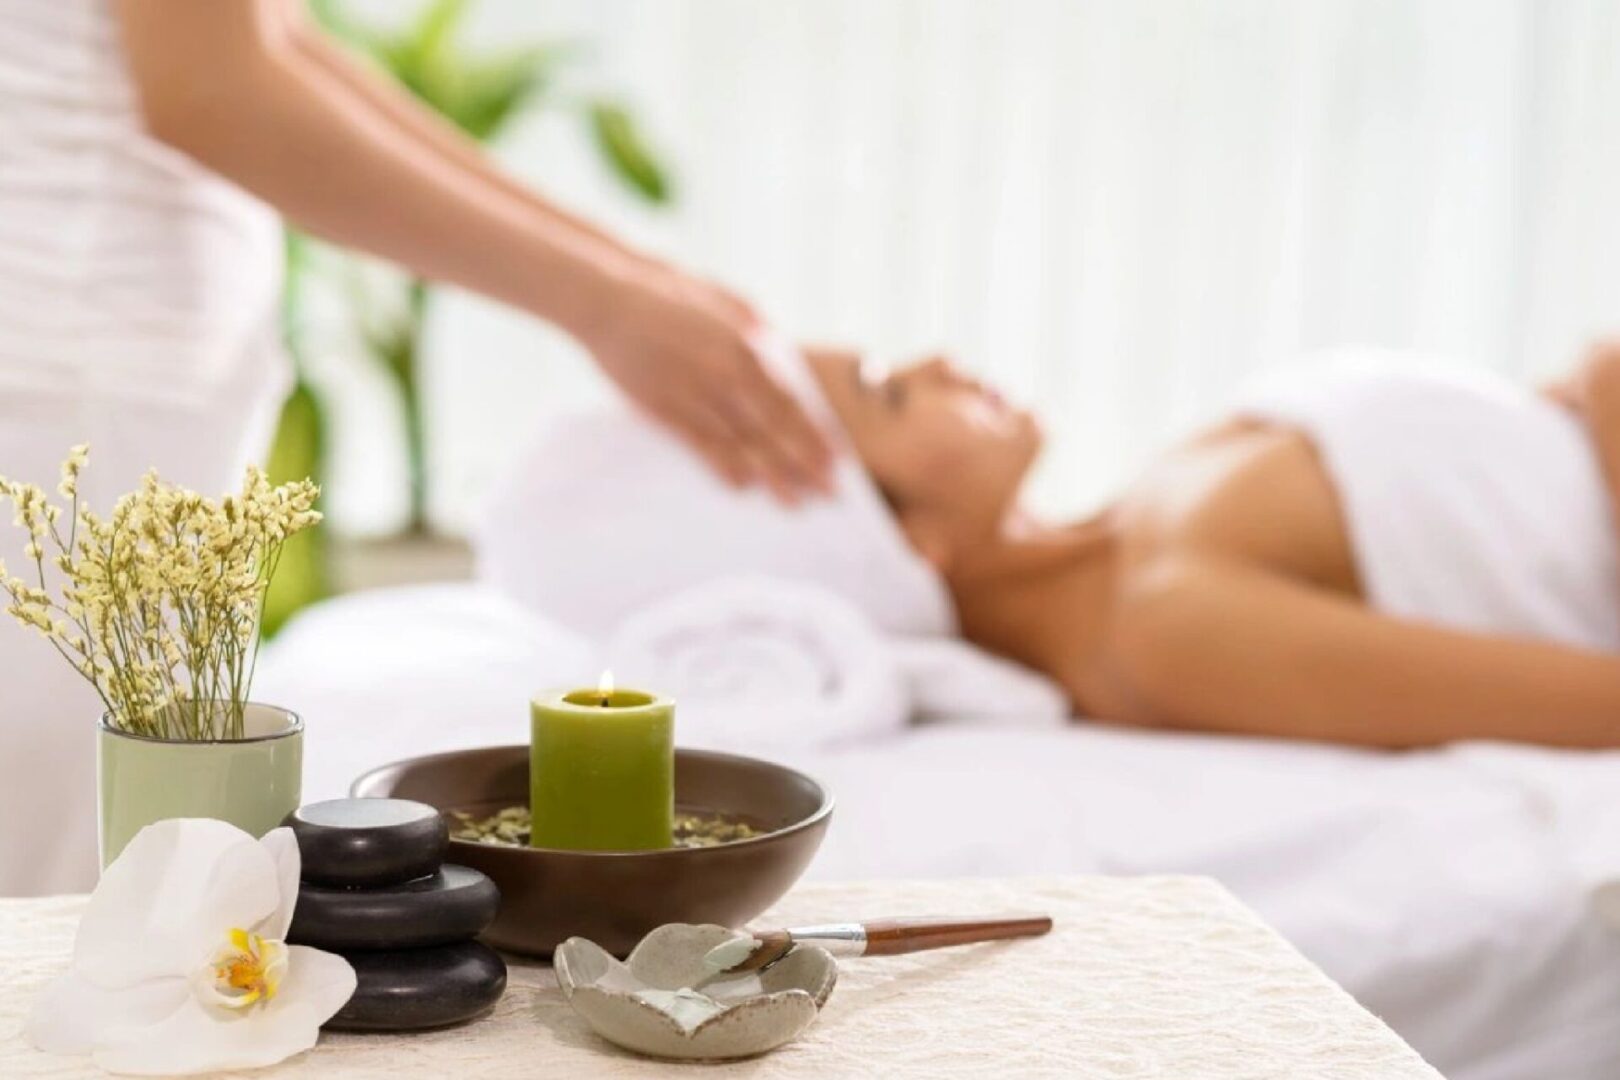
x=1452 y=892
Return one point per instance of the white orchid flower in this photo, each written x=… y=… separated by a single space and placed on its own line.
x=179 y=965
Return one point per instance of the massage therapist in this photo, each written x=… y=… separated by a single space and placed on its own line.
x=145 y=149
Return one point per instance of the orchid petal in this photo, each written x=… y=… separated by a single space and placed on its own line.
x=161 y=906
x=283 y=848
x=316 y=986
x=71 y=1015
x=200 y=1038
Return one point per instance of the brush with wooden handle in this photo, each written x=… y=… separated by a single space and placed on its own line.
x=757 y=950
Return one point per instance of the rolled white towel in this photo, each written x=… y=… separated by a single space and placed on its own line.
x=764 y=663
x=768 y=663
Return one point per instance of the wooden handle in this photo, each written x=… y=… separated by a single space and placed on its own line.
x=890 y=937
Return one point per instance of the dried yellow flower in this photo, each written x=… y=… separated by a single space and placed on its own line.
x=159 y=605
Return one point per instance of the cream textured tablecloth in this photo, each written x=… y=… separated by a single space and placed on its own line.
x=1143 y=977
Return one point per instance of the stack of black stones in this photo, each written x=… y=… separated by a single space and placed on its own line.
x=376 y=890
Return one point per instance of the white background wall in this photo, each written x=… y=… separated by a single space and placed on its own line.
x=1115 y=209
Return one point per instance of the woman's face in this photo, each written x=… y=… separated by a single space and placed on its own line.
x=931 y=436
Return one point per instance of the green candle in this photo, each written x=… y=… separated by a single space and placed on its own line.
x=602 y=770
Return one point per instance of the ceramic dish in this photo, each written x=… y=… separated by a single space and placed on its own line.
x=615 y=898
x=664 y=1002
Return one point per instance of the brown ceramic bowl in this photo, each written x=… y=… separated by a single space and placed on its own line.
x=615 y=898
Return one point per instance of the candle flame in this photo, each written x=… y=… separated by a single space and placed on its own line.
x=604 y=685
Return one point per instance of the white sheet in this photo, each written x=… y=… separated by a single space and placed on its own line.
x=1439 y=888
x=1449 y=890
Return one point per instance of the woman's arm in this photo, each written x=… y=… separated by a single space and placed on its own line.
x=430 y=128
x=1220 y=646
x=251 y=92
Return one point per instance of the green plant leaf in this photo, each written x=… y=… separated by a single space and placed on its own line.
x=299 y=451
x=331 y=17
x=420 y=55
x=622 y=146
x=437 y=25
x=497 y=91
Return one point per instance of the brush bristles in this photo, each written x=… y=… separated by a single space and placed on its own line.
x=773 y=945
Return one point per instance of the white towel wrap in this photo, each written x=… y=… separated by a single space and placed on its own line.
x=1471 y=503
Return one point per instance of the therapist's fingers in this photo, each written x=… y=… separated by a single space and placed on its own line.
x=690 y=355
x=740 y=309
x=723 y=456
x=779 y=430
x=786 y=477
x=705 y=432
x=731 y=397
x=713 y=424
x=732 y=436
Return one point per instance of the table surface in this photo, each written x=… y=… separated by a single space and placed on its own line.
x=1142 y=977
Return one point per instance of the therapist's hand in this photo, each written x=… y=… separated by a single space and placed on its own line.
x=687 y=352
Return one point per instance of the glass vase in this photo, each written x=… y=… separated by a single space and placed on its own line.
x=252 y=782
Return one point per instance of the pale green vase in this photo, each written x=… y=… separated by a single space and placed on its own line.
x=253 y=782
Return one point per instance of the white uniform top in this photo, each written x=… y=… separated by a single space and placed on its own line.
x=1471 y=502
x=138 y=312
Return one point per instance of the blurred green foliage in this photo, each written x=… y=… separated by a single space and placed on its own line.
x=619 y=139
x=299 y=449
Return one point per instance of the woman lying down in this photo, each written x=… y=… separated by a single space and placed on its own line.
x=1364 y=553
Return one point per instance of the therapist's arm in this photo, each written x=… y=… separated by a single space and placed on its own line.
x=429 y=126
x=248 y=89
x=376 y=90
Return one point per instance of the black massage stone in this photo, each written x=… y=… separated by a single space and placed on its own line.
x=365 y=843
x=416 y=989
x=454 y=904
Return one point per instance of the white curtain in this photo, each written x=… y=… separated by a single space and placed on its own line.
x=1115 y=209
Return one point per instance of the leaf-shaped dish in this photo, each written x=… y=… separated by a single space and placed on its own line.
x=664 y=1002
